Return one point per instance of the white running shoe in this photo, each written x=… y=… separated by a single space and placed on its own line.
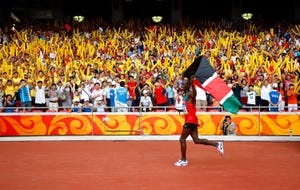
x=220 y=148
x=181 y=163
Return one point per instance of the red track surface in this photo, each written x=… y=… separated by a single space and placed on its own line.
x=147 y=165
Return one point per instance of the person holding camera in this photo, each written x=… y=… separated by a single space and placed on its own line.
x=227 y=126
x=9 y=103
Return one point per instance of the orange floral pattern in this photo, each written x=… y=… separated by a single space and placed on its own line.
x=22 y=124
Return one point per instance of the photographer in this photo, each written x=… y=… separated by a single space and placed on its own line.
x=227 y=126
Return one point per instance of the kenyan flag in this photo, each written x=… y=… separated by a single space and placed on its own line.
x=208 y=79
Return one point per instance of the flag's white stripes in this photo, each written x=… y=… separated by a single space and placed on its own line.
x=215 y=75
x=230 y=93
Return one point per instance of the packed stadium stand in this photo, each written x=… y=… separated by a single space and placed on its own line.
x=101 y=65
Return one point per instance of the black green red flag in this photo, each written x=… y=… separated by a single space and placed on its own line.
x=206 y=78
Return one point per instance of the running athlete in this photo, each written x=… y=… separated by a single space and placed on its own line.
x=190 y=126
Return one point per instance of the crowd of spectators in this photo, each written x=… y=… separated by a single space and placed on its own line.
x=95 y=66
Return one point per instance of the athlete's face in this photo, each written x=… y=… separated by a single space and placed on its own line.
x=185 y=84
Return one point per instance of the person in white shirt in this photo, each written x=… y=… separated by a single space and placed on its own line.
x=179 y=100
x=85 y=90
x=40 y=96
x=201 y=98
x=264 y=95
x=107 y=86
x=251 y=98
x=99 y=105
x=146 y=102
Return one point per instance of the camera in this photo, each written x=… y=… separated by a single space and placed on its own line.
x=224 y=129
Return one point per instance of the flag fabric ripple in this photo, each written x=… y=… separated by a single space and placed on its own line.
x=208 y=79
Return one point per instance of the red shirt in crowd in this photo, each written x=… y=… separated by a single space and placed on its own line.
x=161 y=98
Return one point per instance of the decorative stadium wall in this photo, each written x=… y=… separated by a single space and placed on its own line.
x=160 y=123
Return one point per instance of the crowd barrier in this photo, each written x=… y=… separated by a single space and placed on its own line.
x=159 y=122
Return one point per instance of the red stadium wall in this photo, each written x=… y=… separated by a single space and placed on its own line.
x=45 y=124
